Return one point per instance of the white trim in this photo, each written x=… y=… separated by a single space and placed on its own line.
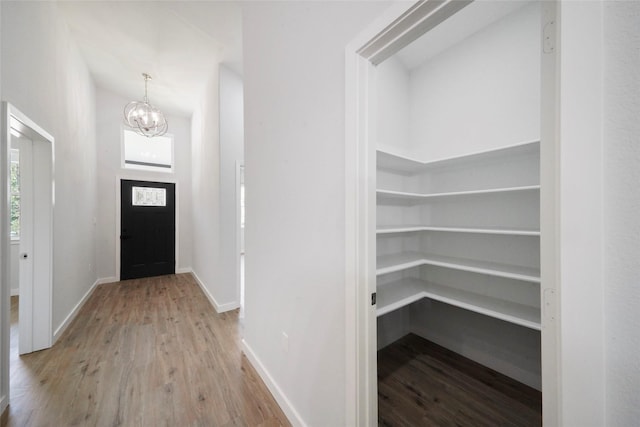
x=220 y=308
x=148 y=177
x=103 y=280
x=15 y=292
x=239 y=231
x=74 y=312
x=582 y=285
x=184 y=270
x=5 y=257
x=550 y=262
x=4 y=404
x=285 y=404
x=37 y=131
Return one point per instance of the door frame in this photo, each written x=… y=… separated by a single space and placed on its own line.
x=392 y=31
x=239 y=237
x=41 y=316
x=137 y=177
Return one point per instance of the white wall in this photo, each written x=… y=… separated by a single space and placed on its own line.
x=393 y=98
x=295 y=243
x=44 y=76
x=109 y=139
x=482 y=93
x=621 y=207
x=231 y=152
x=205 y=215
x=217 y=143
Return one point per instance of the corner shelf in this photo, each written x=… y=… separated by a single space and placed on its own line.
x=472 y=230
x=468 y=200
x=401 y=197
x=393 y=263
x=395 y=295
x=403 y=164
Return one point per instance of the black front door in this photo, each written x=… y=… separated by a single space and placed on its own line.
x=147 y=229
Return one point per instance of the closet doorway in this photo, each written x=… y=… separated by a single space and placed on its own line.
x=450 y=207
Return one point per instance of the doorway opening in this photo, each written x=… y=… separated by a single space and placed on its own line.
x=27 y=213
x=421 y=217
x=147 y=229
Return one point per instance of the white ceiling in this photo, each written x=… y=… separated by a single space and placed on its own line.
x=179 y=43
x=466 y=22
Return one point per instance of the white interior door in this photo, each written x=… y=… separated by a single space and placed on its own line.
x=36 y=231
x=25 y=255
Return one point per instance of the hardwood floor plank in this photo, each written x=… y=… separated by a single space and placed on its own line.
x=421 y=383
x=144 y=352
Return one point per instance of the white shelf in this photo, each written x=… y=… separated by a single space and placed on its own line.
x=403 y=197
x=395 y=295
x=474 y=230
x=406 y=165
x=399 y=262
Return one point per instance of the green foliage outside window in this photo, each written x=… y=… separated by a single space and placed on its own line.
x=15 y=197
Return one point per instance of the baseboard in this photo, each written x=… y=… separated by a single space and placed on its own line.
x=4 y=407
x=183 y=270
x=106 y=280
x=15 y=292
x=287 y=407
x=220 y=308
x=72 y=315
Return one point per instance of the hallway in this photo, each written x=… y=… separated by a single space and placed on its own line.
x=144 y=352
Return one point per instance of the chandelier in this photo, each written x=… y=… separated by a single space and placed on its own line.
x=143 y=117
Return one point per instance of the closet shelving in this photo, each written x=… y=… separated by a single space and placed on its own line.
x=397 y=294
x=413 y=198
x=406 y=260
x=488 y=195
x=486 y=230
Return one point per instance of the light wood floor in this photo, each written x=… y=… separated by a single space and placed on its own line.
x=145 y=352
x=423 y=384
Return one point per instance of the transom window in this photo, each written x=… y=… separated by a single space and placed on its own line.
x=152 y=154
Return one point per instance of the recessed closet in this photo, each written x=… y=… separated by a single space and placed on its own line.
x=458 y=189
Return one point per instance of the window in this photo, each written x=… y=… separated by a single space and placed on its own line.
x=15 y=194
x=152 y=154
x=148 y=196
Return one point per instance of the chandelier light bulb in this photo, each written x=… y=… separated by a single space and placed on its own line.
x=144 y=118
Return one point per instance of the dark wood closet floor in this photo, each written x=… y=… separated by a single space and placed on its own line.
x=423 y=384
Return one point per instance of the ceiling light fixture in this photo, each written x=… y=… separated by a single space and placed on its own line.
x=143 y=117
